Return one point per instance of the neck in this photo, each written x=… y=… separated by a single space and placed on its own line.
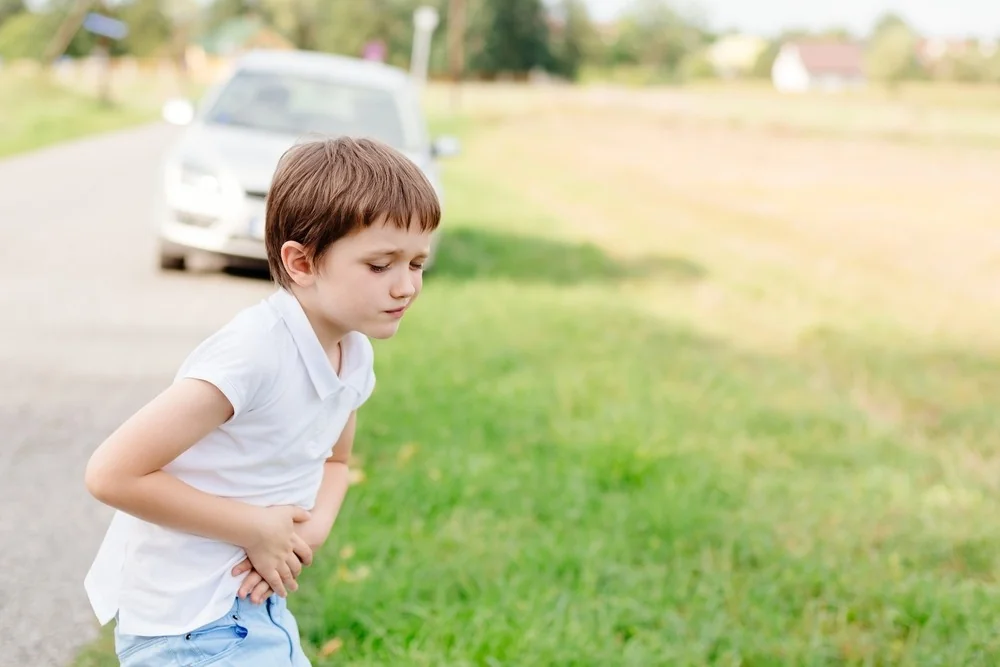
x=329 y=333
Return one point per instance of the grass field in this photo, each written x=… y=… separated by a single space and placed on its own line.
x=39 y=111
x=680 y=394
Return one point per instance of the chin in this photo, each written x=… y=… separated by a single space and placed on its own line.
x=381 y=331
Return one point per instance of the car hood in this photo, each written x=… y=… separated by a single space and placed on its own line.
x=248 y=156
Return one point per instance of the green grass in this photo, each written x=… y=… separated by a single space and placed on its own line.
x=37 y=112
x=554 y=478
x=559 y=473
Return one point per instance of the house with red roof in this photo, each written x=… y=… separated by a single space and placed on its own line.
x=824 y=66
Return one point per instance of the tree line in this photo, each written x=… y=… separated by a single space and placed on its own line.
x=497 y=37
x=475 y=38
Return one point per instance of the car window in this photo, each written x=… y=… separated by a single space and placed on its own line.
x=298 y=105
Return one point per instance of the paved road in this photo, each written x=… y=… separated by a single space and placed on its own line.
x=89 y=330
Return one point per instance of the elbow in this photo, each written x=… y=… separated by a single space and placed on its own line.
x=99 y=481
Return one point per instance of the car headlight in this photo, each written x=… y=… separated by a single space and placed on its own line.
x=200 y=178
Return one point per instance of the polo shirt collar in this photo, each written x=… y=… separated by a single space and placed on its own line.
x=317 y=363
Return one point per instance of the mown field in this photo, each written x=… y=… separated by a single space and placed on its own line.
x=684 y=390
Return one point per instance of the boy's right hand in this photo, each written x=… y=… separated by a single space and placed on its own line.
x=277 y=552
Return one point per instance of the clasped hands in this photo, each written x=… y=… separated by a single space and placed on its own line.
x=282 y=545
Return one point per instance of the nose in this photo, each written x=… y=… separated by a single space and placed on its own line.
x=404 y=286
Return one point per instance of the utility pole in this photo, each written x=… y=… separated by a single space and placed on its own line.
x=425 y=19
x=456 y=47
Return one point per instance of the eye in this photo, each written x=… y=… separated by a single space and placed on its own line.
x=417 y=266
x=377 y=269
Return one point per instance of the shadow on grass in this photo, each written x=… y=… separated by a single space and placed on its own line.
x=476 y=253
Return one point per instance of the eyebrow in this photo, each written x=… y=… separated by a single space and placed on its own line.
x=393 y=252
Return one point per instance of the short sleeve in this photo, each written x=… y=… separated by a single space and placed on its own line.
x=234 y=363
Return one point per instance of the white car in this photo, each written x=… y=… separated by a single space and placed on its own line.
x=209 y=208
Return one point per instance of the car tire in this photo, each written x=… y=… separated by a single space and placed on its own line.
x=170 y=261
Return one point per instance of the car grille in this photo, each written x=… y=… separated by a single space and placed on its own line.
x=194 y=219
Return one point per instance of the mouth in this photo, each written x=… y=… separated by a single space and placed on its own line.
x=397 y=313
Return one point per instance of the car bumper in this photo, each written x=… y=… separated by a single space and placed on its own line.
x=238 y=236
x=184 y=238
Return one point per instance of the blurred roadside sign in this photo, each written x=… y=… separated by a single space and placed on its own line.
x=105 y=26
x=106 y=29
x=374 y=50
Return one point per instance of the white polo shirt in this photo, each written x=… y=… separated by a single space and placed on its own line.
x=290 y=407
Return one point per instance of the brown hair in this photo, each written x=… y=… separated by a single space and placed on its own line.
x=325 y=190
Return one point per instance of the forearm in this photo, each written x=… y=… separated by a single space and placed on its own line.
x=162 y=499
x=329 y=499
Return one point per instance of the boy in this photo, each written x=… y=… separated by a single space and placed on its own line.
x=228 y=481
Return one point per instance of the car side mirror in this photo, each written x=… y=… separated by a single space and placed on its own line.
x=178 y=111
x=446 y=146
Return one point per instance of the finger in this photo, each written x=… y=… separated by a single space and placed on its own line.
x=300 y=515
x=286 y=577
x=244 y=566
x=260 y=592
x=249 y=583
x=273 y=580
x=302 y=550
x=294 y=565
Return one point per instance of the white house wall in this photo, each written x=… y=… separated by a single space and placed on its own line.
x=789 y=73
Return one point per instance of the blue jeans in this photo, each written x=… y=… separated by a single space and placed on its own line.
x=249 y=635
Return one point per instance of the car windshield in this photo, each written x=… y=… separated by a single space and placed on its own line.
x=296 y=105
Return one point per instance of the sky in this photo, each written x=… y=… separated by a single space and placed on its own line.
x=950 y=18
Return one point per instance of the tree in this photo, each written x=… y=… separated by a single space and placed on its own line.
x=516 y=38
x=346 y=26
x=991 y=69
x=575 y=40
x=695 y=66
x=184 y=17
x=10 y=8
x=887 y=21
x=219 y=12
x=764 y=64
x=891 y=57
x=837 y=34
x=970 y=66
x=24 y=35
x=299 y=20
x=654 y=34
x=149 y=27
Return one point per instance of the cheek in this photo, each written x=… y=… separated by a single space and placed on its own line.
x=360 y=290
x=343 y=287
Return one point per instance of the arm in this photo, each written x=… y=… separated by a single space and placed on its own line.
x=332 y=490
x=125 y=473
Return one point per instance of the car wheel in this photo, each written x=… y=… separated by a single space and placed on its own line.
x=171 y=261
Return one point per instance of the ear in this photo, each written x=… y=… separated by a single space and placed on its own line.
x=297 y=263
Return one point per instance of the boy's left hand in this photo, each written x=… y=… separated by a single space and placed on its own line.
x=254 y=586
